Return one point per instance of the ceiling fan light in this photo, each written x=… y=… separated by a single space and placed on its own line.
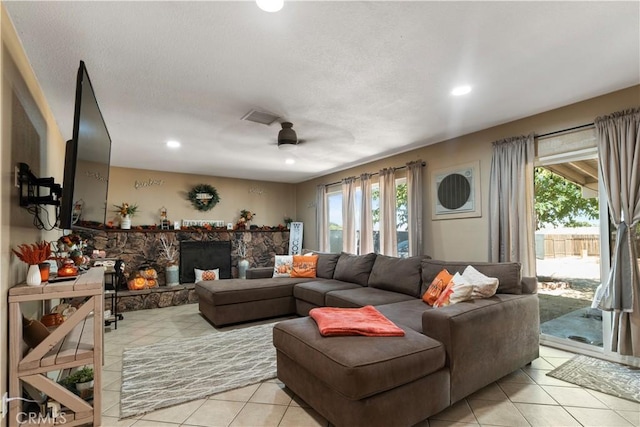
x=270 y=5
x=286 y=146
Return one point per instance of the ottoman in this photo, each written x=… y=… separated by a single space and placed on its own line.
x=363 y=381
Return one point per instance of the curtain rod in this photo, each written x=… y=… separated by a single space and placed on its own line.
x=374 y=173
x=544 y=135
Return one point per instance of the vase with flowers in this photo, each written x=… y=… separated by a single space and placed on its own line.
x=72 y=246
x=170 y=253
x=245 y=218
x=126 y=211
x=33 y=255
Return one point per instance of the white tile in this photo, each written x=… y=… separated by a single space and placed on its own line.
x=259 y=415
x=175 y=414
x=554 y=352
x=296 y=416
x=568 y=396
x=541 y=378
x=215 y=413
x=631 y=416
x=546 y=416
x=539 y=363
x=497 y=413
x=145 y=423
x=517 y=376
x=490 y=392
x=527 y=393
x=557 y=361
x=614 y=402
x=271 y=393
x=458 y=412
x=115 y=422
x=597 y=417
x=445 y=423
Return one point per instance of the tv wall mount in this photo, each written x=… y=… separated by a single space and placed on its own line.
x=37 y=191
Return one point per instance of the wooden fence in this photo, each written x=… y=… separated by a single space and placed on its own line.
x=565 y=245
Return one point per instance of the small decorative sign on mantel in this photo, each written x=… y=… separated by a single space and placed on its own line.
x=202 y=222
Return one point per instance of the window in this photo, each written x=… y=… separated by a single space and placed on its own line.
x=335 y=225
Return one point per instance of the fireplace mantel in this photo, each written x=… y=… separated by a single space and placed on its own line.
x=138 y=247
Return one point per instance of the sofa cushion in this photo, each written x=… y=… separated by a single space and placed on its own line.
x=372 y=365
x=508 y=273
x=304 y=266
x=362 y=296
x=283 y=264
x=396 y=274
x=354 y=268
x=407 y=313
x=326 y=264
x=234 y=291
x=315 y=291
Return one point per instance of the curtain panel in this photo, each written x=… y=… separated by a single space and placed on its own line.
x=388 y=223
x=366 y=216
x=322 y=219
x=349 y=215
x=618 y=139
x=414 y=205
x=511 y=198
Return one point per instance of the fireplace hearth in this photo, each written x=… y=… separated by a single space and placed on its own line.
x=204 y=255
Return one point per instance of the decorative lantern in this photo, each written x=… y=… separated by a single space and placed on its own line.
x=164 y=221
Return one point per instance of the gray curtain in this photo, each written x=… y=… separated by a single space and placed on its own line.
x=618 y=138
x=414 y=202
x=511 y=198
x=388 y=222
x=322 y=218
x=366 y=217
x=349 y=215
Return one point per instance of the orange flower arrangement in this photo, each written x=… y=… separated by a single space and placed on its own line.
x=33 y=254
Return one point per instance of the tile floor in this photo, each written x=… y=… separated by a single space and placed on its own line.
x=526 y=397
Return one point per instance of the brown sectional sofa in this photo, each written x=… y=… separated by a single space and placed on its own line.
x=446 y=354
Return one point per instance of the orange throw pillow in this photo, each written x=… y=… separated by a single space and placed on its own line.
x=437 y=286
x=304 y=266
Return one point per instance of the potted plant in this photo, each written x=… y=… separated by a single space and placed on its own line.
x=82 y=379
x=245 y=217
x=170 y=253
x=33 y=255
x=126 y=211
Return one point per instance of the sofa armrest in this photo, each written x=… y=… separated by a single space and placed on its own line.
x=259 y=272
x=529 y=285
x=485 y=339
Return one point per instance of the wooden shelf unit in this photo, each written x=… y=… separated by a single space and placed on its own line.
x=76 y=342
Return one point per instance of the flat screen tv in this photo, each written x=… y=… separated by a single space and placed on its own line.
x=86 y=163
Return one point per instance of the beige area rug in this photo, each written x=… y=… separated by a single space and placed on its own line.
x=599 y=375
x=169 y=373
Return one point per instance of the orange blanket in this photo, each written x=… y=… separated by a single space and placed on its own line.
x=366 y=321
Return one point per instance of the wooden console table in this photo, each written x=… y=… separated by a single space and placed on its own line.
x=76 y=342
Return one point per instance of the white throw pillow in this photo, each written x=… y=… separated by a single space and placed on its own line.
x=212 y=274
x=483 y=286
x=283 y=266
x=462 y=289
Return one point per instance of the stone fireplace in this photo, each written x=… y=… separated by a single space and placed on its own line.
x=204 y=255
x=138 y=247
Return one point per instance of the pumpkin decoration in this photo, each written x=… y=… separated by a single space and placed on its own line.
x=68 y=269
x=152 y=283
x=137 y=283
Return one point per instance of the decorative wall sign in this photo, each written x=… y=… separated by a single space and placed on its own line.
x=147 y=183
x=295 y=239
x=203 y=197
x=202 y=222
x=456 y=192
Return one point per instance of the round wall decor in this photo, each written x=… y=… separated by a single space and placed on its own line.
x=203 y=197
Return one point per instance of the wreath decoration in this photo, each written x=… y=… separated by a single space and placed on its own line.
x=203 y=197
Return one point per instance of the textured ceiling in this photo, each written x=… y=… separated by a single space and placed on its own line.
x=359 y=80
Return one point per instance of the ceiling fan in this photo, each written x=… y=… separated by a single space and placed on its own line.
x=287 y=138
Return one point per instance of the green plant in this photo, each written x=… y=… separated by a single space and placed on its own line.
x=80 y=376
x=126 y=209
x=288 y=220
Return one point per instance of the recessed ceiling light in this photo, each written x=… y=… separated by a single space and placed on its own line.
x=289 y=161
x=461 y=90
x=270 y=5
x=173 y=144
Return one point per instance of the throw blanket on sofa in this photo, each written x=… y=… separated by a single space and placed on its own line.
x=367 y=321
